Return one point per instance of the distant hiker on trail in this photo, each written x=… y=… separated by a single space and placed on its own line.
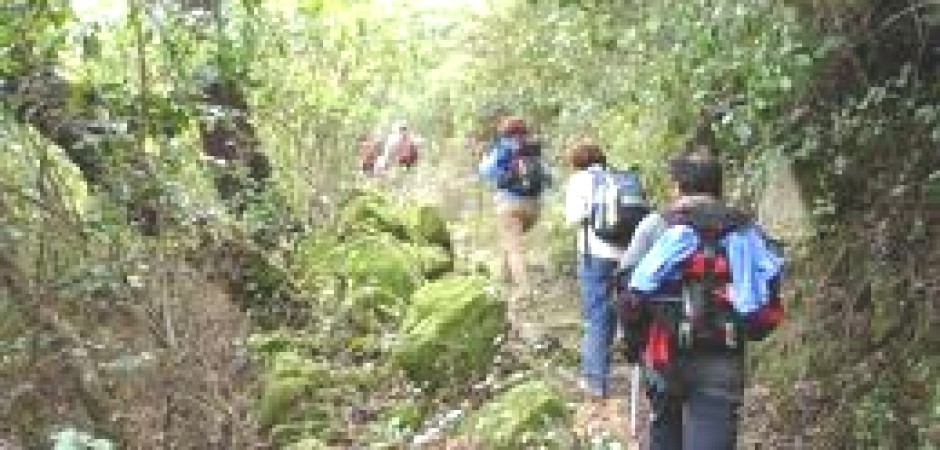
x=514 y=164
x=368 y=154
x=606 y=206
x=401 y=148
x=703 y=281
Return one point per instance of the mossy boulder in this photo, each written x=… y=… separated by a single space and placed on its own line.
x=421 y=226
x=449 y=332
x=370 y=307
x=373 y=213
x=435 y=262
x=378 y=260
x=521 y=417
x=426 y=225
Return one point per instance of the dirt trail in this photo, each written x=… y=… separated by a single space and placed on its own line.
x=447 y=178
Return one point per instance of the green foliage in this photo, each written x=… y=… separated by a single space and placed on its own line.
x=34 y=32
x=427 y=226
x=450 y=332
x=378 y=260
x=523 y=416
x=371 y=212
x=362 y=275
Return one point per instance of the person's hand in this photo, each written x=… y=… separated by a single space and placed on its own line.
x=621 y=274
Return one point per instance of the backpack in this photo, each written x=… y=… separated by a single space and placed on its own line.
x=701 y=318
x=520 y=167
x=618 y=204
x=406 y=151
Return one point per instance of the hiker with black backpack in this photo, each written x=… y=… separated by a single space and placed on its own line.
x=514 y=165
x=606 y=205
x=702 y=280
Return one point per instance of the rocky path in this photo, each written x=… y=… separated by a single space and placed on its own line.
x=550 y=323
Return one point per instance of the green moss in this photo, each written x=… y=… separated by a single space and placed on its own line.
x=427 y=226
x=271 y=344
x=281 y=395
x=435 y=262
x=289 y=383
x=450 y=330
x=378 y=260
x=518 y=417
x=372 y=213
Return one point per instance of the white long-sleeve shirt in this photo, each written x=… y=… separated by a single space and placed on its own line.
x=388 y=150
x=578 y=209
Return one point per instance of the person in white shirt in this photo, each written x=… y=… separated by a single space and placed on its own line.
x=597 y=263
x=392 y=143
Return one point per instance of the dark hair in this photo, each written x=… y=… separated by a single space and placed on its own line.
x=585 y=154
x=513 y=126
x=696 y=175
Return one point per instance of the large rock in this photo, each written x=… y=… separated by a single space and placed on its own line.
x=435 y=262
x=522 y=417
x=372 y=213
x=450 y=330
x=369 y=213
x=377 y=260
x=426 y=225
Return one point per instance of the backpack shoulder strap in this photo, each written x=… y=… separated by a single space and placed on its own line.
x=508 y=147
x=710 y=221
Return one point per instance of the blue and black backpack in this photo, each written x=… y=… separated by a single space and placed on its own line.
x=618 y=204
x=520 y=168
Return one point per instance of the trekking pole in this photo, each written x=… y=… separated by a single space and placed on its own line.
x=634 y=383
x=634 y=403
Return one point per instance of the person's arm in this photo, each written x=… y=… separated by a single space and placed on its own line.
x=668 y=251
x=647 y=232
x=577 y=199
x=382 y=163
x=489 y=165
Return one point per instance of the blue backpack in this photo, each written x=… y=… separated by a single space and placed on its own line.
x=618 y=204
x=520 y=167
